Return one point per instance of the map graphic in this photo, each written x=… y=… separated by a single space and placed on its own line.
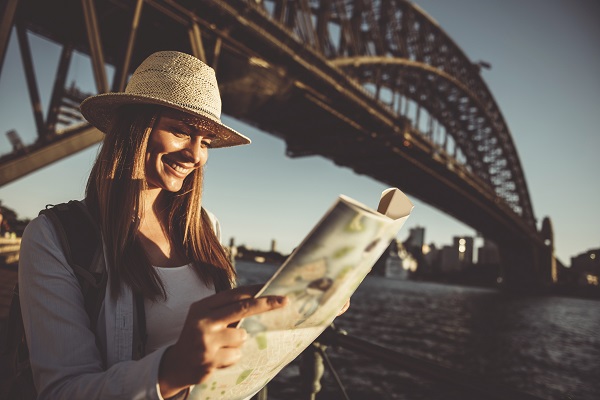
x=318 y=278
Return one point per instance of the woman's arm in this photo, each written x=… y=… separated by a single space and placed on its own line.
x=66 y=363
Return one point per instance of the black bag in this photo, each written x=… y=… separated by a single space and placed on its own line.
x=80 y=240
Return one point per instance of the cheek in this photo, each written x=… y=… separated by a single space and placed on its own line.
x=161 y=141
x=152 y=159
x=204 y=157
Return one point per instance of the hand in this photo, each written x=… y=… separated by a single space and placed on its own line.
x=344 y=308
x=208 y=339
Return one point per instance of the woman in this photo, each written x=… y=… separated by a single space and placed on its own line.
x=159 y=245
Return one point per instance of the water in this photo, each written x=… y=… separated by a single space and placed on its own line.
x=546 y=346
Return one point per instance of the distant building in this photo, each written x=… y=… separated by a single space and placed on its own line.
x=412 y=250
x=458 y=256
x=430 y=264
x=488 y=253
x=448 y=258
x=398 y=262
x=259 y=256
x=416 y=238
x=231 y=250
x=464 y=245
x=586 y=268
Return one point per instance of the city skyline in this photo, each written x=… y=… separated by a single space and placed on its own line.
x=543 y=57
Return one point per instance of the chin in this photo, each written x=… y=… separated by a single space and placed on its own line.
x=173 y=188
x=168 y=183
x=168 y=186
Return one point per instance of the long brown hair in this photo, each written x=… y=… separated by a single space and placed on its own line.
x=113 y=195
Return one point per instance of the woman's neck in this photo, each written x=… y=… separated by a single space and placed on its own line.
x=154 y=232
x=151 y=200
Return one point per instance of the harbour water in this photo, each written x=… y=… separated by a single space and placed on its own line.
x=546 y=346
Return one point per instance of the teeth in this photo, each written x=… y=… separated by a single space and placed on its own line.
x=179 y=168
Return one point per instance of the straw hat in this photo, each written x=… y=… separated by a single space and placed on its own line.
x=172 y=79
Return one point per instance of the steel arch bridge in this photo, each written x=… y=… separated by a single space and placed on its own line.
x=374 y=85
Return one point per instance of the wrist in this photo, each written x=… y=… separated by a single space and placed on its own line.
x=169 y=380
x=179 y=396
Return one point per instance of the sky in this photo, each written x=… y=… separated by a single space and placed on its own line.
x=545 y=57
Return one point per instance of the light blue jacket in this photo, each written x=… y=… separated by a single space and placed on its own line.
x=65 y=360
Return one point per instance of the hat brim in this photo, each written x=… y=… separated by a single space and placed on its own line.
x=100 y=111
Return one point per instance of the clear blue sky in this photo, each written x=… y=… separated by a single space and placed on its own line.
x=545 y=57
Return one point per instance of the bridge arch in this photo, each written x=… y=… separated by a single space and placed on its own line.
x=396 y=45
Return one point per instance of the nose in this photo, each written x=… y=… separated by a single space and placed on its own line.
x=196 y=151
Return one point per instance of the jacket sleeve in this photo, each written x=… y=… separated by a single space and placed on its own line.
x=65 y=361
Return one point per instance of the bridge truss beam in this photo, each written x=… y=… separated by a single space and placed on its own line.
x=369 y=37
x=316 y=74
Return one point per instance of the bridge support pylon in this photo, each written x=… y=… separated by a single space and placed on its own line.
x=527 y=268
x=519 y=266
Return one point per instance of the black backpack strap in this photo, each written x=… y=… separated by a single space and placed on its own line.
x=80 y=240
x=140 y=336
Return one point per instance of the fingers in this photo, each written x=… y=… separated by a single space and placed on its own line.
x=232 y=337
x=227 y=345
x=229 y=296
x=244 y=308
x=227 y=356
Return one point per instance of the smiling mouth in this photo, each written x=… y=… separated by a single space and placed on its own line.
x=176 y=167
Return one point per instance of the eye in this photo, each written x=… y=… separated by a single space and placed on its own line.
x=206 y=142
x=178 y=132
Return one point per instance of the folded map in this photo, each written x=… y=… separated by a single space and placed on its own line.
x=318 y=278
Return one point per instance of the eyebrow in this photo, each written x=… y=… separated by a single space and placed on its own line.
x=197 y=128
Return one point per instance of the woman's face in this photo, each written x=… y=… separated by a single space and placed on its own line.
x=177 y=145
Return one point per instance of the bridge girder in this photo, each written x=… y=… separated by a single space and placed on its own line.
x=396 y=33
x=459 y=111
x=270 y=56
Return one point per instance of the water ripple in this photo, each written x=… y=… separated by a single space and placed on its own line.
x=546 y=346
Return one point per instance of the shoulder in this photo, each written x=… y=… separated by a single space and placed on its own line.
x=39 y=229
x=41 y=242
x=42 y=230
x=40 y=250
x=214 y=223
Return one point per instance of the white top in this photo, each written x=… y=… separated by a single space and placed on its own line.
x=164 y=318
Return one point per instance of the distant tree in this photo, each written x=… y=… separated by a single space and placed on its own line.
x=11 y=222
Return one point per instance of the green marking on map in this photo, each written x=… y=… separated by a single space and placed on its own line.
x=355 y=225
x=261 y=341
x=341 y=252
x=344 y=272
x=243 y=376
